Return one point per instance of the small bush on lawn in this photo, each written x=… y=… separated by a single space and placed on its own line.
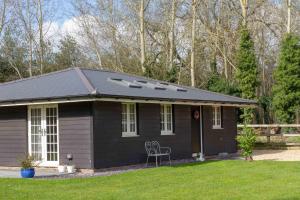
x=246 y=142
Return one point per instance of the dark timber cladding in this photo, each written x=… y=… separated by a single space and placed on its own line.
x=219 y=140
x=13 y=135
x=195 y=130
x=75 y=130
x=91 y=131
x=111 y=149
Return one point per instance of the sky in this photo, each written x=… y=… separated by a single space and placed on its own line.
x=64 y=10
x=61 y=22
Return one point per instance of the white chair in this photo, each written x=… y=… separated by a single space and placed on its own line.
x=154 y=149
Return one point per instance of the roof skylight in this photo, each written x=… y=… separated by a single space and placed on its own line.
x=124 y=83
x=173 y=87
x=150 y=85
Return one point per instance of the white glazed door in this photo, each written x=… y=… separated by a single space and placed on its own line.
x=43 y=134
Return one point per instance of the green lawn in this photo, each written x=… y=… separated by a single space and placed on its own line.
x=208 y=180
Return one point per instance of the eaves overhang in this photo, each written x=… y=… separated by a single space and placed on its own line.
x=97 y=97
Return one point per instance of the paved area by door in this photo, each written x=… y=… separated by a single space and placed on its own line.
x=279 y=155
x=15 y=173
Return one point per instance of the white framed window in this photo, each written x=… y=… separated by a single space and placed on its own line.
x=166 y=119
x=129 y=120
x=217 y=117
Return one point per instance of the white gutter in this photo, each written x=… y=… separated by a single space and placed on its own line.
x=40 y=102
x=172 y=102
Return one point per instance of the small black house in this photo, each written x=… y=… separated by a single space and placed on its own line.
x=103 y=119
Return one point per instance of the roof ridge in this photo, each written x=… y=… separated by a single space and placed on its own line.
x=174 y=84
x=36 y=76
x=86 y=82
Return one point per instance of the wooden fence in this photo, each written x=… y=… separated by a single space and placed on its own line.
x=270 y=130
x=271 y=125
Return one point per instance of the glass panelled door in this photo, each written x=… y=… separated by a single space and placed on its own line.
x=36 y=134
x=51 y=134
x=43 y=134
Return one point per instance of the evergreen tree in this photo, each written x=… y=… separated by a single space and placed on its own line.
x=172 y=75
x=217 y=83
x=69 y=54
x=7 y=73
x=247 y=71
x=286 y=90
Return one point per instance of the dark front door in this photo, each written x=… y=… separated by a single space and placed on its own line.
x=195 y=127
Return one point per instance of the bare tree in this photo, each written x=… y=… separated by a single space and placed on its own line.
x=244 y=5
x=39 y=14
x=2 y=15
x=142 y=35
x=172 y=34
x=194 y=6
x=289 y=7
x=25 y=16
x=88 y=28
x=113 y=33
x=30 y=36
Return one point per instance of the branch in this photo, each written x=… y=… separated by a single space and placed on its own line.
x=3 y=16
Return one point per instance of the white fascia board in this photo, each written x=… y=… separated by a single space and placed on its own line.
x=37 y=102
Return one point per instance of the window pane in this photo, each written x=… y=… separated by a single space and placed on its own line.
x=216 y=116
x=132 y=110
x=124 y=117
x=124 y=108
x=132 y=127
x=128 y=118
x=219 y=116
x=169 y=127
x=166 y=118
x=213 y=116
x=162 y=118
x=169 y=118
x=132 y=122
x=169 y=109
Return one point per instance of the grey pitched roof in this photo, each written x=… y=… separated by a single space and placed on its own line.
x=76 y=82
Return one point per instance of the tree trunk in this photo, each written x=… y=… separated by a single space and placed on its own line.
x=142 y=36
x=171 y=53
x=289 y=6
x=98 y=57
x=40 y=21
x=244 y=5
x=193 y=43
x=225 y=62
x=113 y=28
x=249 y=158
x=30 y=38
x=2 y=20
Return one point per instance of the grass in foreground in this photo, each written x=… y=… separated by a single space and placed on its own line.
x=208 y=180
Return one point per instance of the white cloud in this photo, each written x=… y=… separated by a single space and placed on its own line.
x=52 y=32
x=70 y=27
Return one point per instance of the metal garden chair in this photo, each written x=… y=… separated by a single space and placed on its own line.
x=154 y=149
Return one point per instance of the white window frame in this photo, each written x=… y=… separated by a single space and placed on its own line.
x=217 y=117
x=129 y=133
x=164 y=117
